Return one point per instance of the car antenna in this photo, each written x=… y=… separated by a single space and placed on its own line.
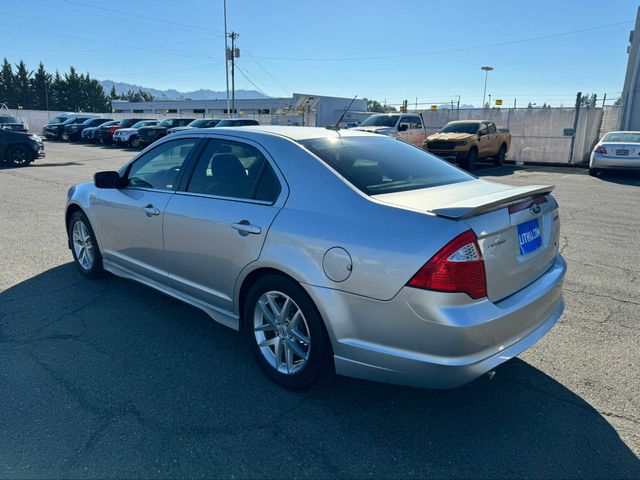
x=336 y=126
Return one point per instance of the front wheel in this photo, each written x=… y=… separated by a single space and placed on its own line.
x=285 y=332
x=134 y=142
x=470 y=162
x=19 y=155
x=84 y=246
x=499 y=159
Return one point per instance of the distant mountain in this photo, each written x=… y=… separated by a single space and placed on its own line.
x=171 y=94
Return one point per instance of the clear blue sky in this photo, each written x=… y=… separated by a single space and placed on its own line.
x=430 y=50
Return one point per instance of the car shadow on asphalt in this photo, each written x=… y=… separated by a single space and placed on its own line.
x=622 y=178
x=109 y=377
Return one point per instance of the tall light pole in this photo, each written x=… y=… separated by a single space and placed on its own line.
x=486 y=74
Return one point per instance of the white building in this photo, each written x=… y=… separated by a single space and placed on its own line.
x=300 y=109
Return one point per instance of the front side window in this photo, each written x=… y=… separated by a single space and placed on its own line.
x=233 y=169
x=384 y=165
x=161 y=167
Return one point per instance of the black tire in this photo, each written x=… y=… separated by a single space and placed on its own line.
x=319 y=360
x=96 y=270
x=134 y=141
x=19 y=155
x=594 y=172
x=499 y=158
x=472 y=157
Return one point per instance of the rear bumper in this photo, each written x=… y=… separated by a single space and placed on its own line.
x=437 y=340
x=614 y=163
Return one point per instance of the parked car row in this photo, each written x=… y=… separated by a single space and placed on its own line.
x=128 y=132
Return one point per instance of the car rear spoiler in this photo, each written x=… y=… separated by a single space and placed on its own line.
x=492 y=201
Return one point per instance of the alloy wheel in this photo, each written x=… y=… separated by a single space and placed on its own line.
x=281 y=332
x=82 y=245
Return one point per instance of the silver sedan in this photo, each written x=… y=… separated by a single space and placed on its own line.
x=616 y=151
x=331 y=250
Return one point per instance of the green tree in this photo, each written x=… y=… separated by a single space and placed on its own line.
x=57 y=97
x=22 y=86
x=72 y=86
x=375 y=106
x=113 y=95
x=96 y=100
x=40 y=87
x=7 y=86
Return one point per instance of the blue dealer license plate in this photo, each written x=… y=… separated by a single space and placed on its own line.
x=529 y=236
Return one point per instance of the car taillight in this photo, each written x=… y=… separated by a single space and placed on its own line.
x=601 y=150
x=112 y=130
x=457 y=267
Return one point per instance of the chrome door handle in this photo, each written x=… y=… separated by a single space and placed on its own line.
x=244 y=227
x=150 y=210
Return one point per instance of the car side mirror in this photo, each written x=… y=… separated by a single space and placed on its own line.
x=106 y=179
x=403 y=127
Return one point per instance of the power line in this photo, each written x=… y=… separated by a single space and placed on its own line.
x=286 y=93
x=145 y=17
x=101 y=40
x=449 y=50
x=251 y=81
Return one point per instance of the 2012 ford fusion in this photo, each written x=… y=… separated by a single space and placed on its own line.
x=331 y=249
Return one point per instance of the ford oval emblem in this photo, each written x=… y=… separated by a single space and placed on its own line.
x=535 y=209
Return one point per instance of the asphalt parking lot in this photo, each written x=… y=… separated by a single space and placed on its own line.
x=111 y=379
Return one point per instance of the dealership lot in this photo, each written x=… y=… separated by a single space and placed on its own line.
x=111 y=379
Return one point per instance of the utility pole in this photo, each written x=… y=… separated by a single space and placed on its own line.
x=515 y=103
x=416 y=110
x=232 y=55
x=226 y=54
x=604 y=99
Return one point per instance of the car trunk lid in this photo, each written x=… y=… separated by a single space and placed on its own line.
x=517 y=227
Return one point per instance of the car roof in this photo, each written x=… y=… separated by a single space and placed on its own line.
x=293 y=133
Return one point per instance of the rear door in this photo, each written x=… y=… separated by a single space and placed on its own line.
x=130 y=218
x=217 y=223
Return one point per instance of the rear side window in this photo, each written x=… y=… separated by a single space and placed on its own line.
x=236 y=170
x=377 y=165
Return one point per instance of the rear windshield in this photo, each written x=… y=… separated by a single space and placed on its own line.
x=461 y=128
x=622 y=137
x=384 y=165
x=9 y=120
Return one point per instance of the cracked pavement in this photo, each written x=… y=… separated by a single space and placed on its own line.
x=109 y=379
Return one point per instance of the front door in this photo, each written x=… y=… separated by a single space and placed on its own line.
x=217 y=225
x=130 y=218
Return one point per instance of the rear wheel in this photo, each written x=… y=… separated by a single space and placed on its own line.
x=84 y=246
x=499 y=158
x=19 y=155
x=472 y=157
x=285 y=332
x=594 y=172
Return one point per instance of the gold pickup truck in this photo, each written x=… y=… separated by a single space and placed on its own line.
x=467 y=141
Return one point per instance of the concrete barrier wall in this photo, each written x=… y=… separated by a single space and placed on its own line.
x=537 y=134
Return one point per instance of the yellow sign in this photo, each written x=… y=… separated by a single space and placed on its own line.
x=498 y=102
x=434 y=107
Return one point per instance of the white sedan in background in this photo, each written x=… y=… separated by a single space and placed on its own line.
x=616 y=151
